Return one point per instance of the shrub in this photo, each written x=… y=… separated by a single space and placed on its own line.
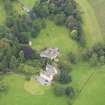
x=74 y=34
x=64 y=77
x=59 y=91
x=27 y=77
x=69 y=102
x=69 y=91
x=59 y=19
x=72 y=58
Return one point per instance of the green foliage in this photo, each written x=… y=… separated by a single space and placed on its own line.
x=72 y=58
x=41 y=9
x=8 y=53
x=72 y=23
x=59 y=19
x=27 y=69
x=21 y=57
x=13 y=63
x=94 y=60
x=37 y=25
x=61 y=12
x=74 y=34
x=102 y=59
x=64 y=77
x=28 y=77
x=95 y=55
x=69 y=92
x=59 y=91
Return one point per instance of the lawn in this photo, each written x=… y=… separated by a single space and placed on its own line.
x=17 y=95
x=22 y=92
x=99 y=8
x=55 y=36
x=34 y=88
x=92 y=30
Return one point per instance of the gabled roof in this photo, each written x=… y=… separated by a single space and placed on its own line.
x=47 y=75
x=51 y=53
x=50 y=69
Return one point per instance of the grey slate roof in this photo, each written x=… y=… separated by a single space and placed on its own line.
x=51 y=53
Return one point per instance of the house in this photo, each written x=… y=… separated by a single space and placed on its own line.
x=46 y=76
x=50 y=53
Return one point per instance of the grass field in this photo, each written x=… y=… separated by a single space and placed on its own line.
x=99 y=8
x=55 y=36
x=92 y=30
x=92 y=85
x=93 y=92
x=89 y=82
x=80 y=74
x=17 y=95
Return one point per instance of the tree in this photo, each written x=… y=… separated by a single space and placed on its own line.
x=4 y=64
x=59 y=91
x=64 y=77
x=8 y=6
x=73 y=24
x=94 y=60
x=102 y=59
x=37 y=25
x=74 y=34
x=41 y=1
x=21 y=57
x=69 y=8
x=59 y=19
x=86 y=54
x=41 y=9
x=13 y=63
x=72 y=58
x=69 y=92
